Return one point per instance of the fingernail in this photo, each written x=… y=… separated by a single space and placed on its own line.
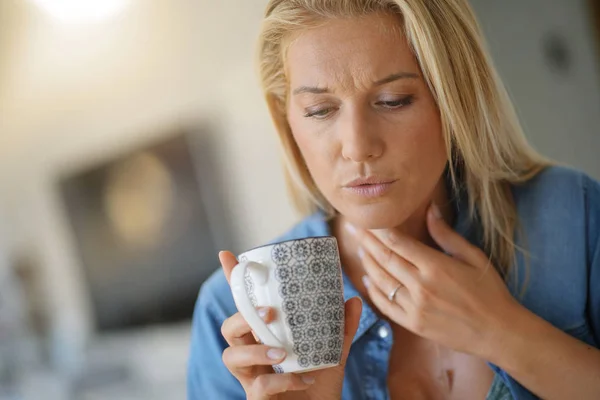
x=435 y=210
x=309 y=380
x=361 y=253
x=350 y=228
x=275 y=354
x=366 y=281
x=262 y=312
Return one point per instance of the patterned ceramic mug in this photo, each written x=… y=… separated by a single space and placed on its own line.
x=302 y=280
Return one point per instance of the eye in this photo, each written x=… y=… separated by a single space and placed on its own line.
x=397 y=103
x=320 y=113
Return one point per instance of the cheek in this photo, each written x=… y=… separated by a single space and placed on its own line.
x=422 y=143
x=315 y=150
x=417 y=153
x=303 y=137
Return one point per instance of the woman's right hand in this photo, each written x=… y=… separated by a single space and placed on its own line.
x=251 y=362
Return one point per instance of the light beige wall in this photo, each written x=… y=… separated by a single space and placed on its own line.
x=70 y=96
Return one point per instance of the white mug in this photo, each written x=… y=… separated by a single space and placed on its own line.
x=302 y=280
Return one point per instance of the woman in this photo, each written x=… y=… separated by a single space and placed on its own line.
x=477 y=260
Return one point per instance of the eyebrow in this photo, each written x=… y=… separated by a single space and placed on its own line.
x=395 y=77
x=388 y=79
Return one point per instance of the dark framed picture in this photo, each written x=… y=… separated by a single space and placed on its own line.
x=142 y=234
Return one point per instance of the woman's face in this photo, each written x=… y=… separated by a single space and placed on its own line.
x=365 y=120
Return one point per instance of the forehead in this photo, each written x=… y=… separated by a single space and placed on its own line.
x=349 y=52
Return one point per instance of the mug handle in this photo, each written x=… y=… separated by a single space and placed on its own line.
x=245 y=307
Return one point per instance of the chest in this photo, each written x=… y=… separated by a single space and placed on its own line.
x=420 y=369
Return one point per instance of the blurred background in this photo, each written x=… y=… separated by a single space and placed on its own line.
x=134 y=144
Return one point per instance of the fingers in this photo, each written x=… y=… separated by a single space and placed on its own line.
x=383 y=257
x=451 y=242
x=384 y=281
x=249 y=362
x=272 y=384
x=383 y=304
x=228 y=261
x=394 y=269
x=242 y=361
x=236 y=330
x=237 y=358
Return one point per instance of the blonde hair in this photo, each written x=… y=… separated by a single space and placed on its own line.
x=485 y=142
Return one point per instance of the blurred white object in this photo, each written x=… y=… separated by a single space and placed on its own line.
x=82 y=11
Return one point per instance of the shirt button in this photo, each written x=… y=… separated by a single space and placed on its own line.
x=383 y=332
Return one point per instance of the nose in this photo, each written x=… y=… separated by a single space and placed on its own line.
x=360 y=140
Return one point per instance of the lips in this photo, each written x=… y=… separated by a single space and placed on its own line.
x=370 y=186
x=371 y=180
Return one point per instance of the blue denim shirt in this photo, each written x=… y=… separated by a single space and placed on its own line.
x=559 y=212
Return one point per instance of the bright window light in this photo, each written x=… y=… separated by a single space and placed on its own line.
x=82 y=11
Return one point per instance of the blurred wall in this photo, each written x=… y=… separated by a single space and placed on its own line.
x=74 y=95
x=558 y=106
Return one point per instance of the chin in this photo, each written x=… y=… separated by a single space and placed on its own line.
x=376 y=216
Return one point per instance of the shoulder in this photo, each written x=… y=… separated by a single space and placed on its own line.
x=556 y=212
x=554 y=182
x=592 y=205
x=560 y=191
x=555 y=194
x=560 y=202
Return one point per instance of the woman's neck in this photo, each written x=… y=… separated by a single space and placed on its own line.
x=415 y=226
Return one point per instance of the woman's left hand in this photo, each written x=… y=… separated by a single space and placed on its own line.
x=457 y=299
